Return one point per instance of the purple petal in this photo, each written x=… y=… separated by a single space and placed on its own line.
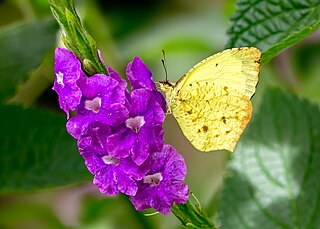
x=120 y=144
x=68 y=71
x=154 y=115
x=100 y=85
x=106 y=182
x=170 y=193
x=144 y=104
x=96 y=135
x=143 y=198
x=137 y=172
x=114 y=114
x=92 y=160
x=173 y=163
x=103 y=100
x=67 y=63
x=76 y=125
x=163 y=186
x=139 y=75
x=150 y=139
x=126 y=184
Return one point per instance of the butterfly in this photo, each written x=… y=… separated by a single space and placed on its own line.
x=212 y=101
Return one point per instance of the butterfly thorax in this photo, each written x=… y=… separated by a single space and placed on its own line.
x=168 y=88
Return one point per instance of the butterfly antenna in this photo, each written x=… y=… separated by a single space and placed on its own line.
x=164 y=64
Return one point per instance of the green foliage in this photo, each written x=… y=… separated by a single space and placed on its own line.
x=26 y=211
x=274 y=174
x=97 y=213
x=22 y=48
x=272 y=25
x=36 y=151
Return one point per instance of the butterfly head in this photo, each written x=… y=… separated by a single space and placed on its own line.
x=167 y=87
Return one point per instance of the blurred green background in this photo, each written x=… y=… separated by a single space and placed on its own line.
x=188 y=31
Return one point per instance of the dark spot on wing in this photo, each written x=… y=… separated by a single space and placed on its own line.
x=189 y=112
x=199 y=131
x=228 y=131
x=205 y=128
x=225 y=88
x=216 y=64
x=224 y=120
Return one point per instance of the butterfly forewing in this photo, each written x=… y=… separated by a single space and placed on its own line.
x=237 y=68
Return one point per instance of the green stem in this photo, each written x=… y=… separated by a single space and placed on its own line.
x=75 y=36
x=191 y=216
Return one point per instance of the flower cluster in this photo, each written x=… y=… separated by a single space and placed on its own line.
x=120 y=134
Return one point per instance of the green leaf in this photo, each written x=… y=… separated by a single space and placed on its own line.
x=274 y=175
x=36 y=151
x=22 y=49
x=272 y=25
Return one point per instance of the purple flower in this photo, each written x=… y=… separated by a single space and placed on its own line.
x=142 y=133
x=163 y=185
x=120 y=134
x=103 y=100
x=68 y=71
x=111 y=175
x=140 y=76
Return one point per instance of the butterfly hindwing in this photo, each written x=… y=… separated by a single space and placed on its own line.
x=210 y=116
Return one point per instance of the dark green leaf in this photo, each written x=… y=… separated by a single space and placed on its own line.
x=275 y=171
x=36 y=151
x=22 y=48
x=273 y=25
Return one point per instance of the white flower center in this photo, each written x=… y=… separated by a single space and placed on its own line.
x=93 y=105
x=153 y=179
x=109 y=160
x=135 y=123
x=59 y=76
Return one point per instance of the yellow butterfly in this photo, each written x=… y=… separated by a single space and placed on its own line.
x=212 y=101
